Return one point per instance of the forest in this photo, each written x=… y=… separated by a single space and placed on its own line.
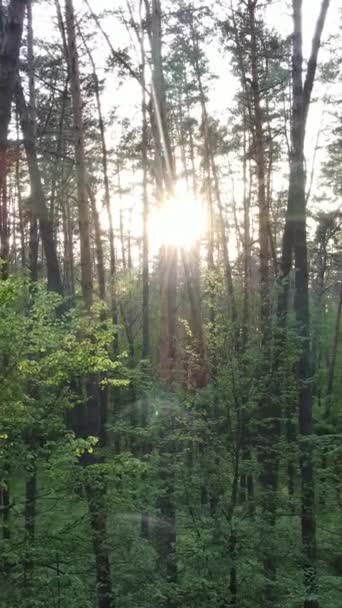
x=170 y=304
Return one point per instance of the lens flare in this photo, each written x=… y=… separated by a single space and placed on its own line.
x=180 y=221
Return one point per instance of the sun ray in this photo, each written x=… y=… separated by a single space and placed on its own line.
x=180 y=221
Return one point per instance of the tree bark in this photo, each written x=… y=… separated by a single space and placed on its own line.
x=168 y=254
x=20 y=204
x=269 y=414
x=81 y=173
x=295 y=242
x=167 y=534
x=332 y=366
x=101 y=276
x=145 y=272
x=9 y=61
x=88 y=419
x=107 y=196
x=38 y=201
x=212 y=169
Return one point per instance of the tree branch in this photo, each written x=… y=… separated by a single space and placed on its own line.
x=312 y=65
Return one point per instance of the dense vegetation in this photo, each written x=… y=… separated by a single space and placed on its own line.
x=171 y=387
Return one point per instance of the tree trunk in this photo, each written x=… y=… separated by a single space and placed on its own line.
x=38 y=201
x=295 y=242
x=4 y=227
x=81 y=173
x=107 y=197
x=332 y=366
x=211 y=168
x=168 y=254
x=9 y=60
x=88 y=419
x=167 y=535
x=269 y=415
x=68 y=258
x=32 y=117
x=199 y=370
x=246 y=244
x=20 y=208
x=145 y=271
x=98 y=246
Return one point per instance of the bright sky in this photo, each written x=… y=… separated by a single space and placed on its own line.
x=127 y=98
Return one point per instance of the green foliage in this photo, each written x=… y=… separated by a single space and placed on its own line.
x=193 y=438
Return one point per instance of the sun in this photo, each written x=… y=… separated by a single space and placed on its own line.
x=180 y=221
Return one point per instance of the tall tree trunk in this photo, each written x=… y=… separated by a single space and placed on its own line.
x=89 y=419
x=68 y=258
x=199 y=371
x=59 y=148
x=146 y=353
x=333 y=355
x=269 y=414
x=81 y=172
x=32 y=117
x=168 y=254
x=211 y=168
x=301 y=97
x=4 y=227
x=38 y=201
x=167 y=535
x=295 y=242
x=9 y=59
x=145 y=255
x=246 y=243
x=20 y=207
x=28 y=119
x=107 y=197
x=101 y=277
x=33 y=249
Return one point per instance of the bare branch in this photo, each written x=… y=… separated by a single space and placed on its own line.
x=312 y=65
x=116 y=55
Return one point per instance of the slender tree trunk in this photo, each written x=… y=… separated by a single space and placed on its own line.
x=81 y=173
x=246 y=479
x=129 y=248
x=199 y=371
x=269 y=415
x=210 y=162
x=145 y=448
x=295 y=242
x=68 y=282
x=318 y=310
x=107 y=196
x=212 y=276
x=9 y=60
x=98 y=246
x=20 y=202
x=56 y=171
x=4 y=227
x=191 y=139
x=145 y=272
x=332 y=366
x=166 y=527
x=122 y=242
x=168 y=254
x=38 y=201
x=32 y=117
x=88 y=419
x=246 y=245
